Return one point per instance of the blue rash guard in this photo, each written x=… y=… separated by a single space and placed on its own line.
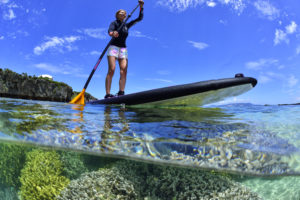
x=123 y=34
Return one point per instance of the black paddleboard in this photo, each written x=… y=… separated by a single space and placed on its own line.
x=193 y=94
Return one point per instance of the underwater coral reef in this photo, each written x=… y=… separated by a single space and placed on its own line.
x=133 y=180
x=32 y=173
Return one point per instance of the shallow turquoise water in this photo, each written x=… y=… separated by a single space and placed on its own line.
x=259 y=143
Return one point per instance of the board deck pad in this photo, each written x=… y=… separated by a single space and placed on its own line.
x=193 y=94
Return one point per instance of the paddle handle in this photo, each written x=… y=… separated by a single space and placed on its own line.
x=104 y=51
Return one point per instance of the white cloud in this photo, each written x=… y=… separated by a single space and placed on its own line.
x=91 y=53
x=237 y=5
x=9 y=15
x=159 y=80
x=16 y=12
x=290 y=29
x=95 y=53
x=198 y=45
x=281 y=35
x=13 y=5
x=17 y=33
x=51 y=43
x=269 y=76
x=224 y=22
x=261 y=63
x=292 y=81
x=275 y=75
x=22 y=33
x=36 y=12
x=281 y=67
x=48 y=67
x=98 y=33
x=182 y=5
x=211 y=4
x=298 y=50
x=4 y=1
x=64 y=68
x=46 y=76
x=179 y=5
x=266 y=9
x=163 y=72
x=71 y=39
x=1 y=37
x=264 y=79
x=56 y=43
x=139 y=34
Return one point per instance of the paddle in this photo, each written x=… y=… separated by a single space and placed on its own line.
x=79 y=99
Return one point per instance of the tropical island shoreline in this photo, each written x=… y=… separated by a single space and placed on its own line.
x=24 y=86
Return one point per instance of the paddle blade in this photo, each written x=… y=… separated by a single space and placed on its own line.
x=79 y=99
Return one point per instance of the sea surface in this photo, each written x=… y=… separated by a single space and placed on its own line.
x=52 y=150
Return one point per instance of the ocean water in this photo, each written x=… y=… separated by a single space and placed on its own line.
x=52 y=150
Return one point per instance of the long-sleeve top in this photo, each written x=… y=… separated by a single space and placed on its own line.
x=123 y=34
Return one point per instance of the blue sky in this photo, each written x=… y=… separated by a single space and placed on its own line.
x=178 y=41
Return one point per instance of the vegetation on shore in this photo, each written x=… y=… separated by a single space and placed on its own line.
x=25 y=86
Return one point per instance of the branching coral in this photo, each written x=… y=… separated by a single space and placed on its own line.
x=135 y=180
x=12 y=157
x=41 y=177
x=73 y=165
x=105 y=184
x=181 y=183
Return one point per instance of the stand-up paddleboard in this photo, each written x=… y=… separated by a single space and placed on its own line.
x=193 y=94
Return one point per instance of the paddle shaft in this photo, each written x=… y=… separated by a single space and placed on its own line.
x=104 y=51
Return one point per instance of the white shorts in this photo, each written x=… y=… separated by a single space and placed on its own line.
x=118 y=52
